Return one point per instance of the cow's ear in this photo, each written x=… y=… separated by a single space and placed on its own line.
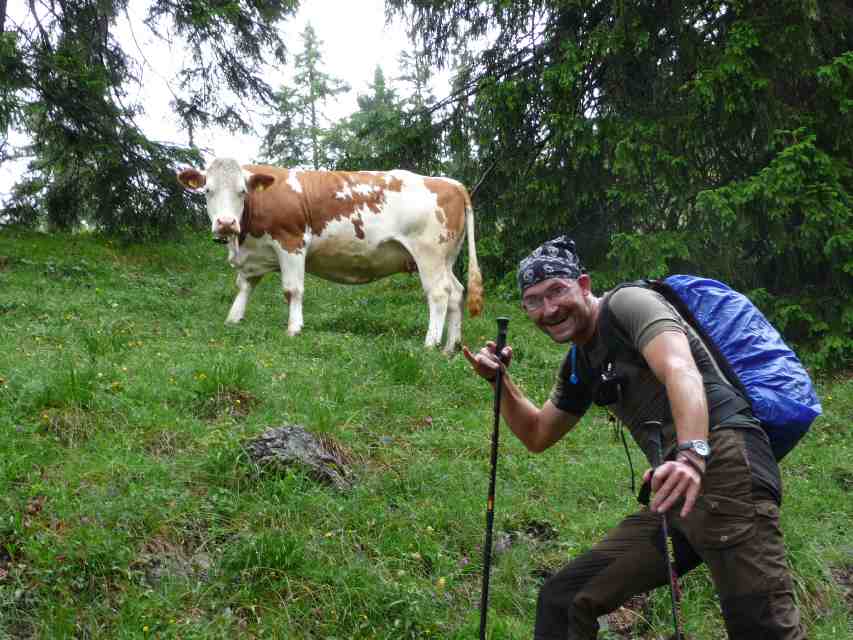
x=192 y=179
x=259 y=181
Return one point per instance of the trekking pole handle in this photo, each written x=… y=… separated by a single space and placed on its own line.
x=500 y=343
x=653 y=428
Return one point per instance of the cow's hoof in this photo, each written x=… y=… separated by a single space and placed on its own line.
x=232 y=323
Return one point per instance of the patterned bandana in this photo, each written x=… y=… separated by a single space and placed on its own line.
x=553 y=259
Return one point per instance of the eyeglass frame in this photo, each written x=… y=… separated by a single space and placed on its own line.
x=555 y=292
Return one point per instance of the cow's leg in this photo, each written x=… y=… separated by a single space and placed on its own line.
x=437 y=298
x=245 y=286
x=437 y=286
x=455 y=306
x=293 y=284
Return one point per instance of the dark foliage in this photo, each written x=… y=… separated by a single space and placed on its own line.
x=64 y=80
x=709 y=137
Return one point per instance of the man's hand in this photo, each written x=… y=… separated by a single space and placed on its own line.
x=671 y=481
x=485 y=363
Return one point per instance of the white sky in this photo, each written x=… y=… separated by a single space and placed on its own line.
x=354 y=40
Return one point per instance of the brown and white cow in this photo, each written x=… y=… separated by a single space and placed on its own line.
x=351 y=227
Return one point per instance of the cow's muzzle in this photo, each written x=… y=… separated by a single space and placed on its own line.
x=225 y=227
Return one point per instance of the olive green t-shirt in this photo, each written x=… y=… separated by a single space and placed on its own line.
x=638 y=315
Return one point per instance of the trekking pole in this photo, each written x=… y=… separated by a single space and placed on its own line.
x=490 y=503
x=654 y=429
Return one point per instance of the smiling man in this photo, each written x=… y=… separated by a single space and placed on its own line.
x=719 y=486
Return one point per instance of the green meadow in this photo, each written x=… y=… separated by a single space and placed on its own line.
x=129 y=507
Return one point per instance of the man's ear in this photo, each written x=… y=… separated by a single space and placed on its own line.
x=585 y=283
x=259 y=181
x=192 y=179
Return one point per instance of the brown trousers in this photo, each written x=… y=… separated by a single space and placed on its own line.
x=733 y=528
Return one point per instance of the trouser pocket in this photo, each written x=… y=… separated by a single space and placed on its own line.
x=721 y=522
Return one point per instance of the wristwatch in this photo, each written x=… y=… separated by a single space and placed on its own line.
x=699 y=447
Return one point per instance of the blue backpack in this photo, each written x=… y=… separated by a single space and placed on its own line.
x=751 y=353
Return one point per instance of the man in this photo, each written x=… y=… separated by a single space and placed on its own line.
x=719 y=487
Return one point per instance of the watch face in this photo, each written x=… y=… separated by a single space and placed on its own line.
x=701 y=447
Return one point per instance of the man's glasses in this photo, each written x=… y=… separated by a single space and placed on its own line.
x=553 y=294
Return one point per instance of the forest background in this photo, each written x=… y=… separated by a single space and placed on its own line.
x=706 y=137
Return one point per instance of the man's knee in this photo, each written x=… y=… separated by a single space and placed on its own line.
x=552 y=618
x=552 y=593
x=567 y=607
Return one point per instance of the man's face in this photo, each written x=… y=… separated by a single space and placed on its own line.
x=561 y=308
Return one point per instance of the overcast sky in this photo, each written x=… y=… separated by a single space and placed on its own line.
x=354 y=40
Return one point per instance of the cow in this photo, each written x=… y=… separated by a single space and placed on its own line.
x=345 y=226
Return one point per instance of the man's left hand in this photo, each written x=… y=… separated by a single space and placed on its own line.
x=671 y=481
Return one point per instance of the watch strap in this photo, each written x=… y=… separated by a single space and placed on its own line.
x=691 y=446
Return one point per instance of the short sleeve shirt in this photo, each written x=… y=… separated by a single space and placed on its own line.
x=639 y=315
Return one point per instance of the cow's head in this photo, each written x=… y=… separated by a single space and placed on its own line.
x=225 y=185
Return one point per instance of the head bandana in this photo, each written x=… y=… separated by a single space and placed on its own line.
x=553 y=259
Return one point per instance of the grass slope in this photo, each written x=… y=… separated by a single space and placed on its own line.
x=129 y=509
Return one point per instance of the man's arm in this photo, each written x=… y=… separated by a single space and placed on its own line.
x=669 y=357
x=537 y=428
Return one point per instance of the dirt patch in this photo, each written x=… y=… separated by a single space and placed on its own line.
x=5 y=559
x=539 y=531
x=234 y=403
x=530 y=530
x=843 y=577
x=70 y=425
x=16 y=580
x=161 y=559
x=423 y=423
x=844 y=478
x=166 y=443
x=526 y=531
x=629 y=620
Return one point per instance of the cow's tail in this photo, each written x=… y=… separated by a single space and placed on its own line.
x=475 y=278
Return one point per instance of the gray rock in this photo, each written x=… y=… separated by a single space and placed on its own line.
x=322 y=458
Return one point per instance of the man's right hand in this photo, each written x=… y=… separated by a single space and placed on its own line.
x=485 y=362
x=673 y=480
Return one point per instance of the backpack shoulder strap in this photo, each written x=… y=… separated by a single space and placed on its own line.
x=613 y=334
